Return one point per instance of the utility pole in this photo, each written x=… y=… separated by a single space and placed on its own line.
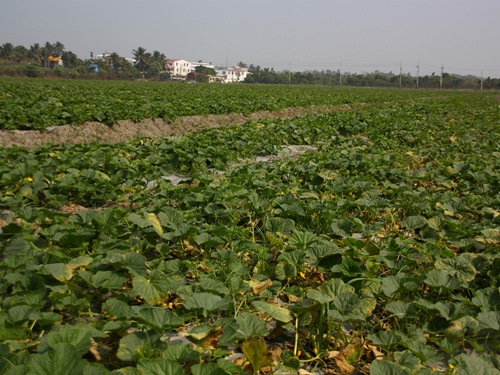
x=400 y=75
x=340 y=73
x=289 y=71
x=482 y=79
x=418 y=71
x=441 y=78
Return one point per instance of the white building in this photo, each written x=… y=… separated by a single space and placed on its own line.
x=232 y=74
x=178 y=68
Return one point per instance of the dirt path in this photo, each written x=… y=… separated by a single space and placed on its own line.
x=157 y=128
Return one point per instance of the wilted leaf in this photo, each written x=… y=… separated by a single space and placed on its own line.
x=259 y=286
x=204 y=335
x=153 y=220
x=256 y=353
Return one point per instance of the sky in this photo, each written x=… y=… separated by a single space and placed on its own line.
x=350 y=35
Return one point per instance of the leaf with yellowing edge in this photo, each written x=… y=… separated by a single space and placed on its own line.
x=256 y=353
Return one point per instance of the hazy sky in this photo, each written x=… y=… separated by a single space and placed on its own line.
x=362 y=35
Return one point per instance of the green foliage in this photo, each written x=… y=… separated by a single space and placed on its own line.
x=379 y=241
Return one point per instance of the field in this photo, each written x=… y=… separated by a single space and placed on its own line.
x=362 y=238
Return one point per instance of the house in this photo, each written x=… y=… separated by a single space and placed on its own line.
x=231 y=74
x=178 y=68
x=55 y=61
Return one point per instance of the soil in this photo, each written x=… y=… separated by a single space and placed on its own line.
x=156 y=128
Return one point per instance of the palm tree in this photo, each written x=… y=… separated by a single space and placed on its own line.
x=141 y=59
x=20 y=53
x=36 y=52
x=116 y=62
x=58 y=49
x=7 y=50
x=157 y=56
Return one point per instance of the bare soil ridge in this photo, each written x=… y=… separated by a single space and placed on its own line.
x=156 y=128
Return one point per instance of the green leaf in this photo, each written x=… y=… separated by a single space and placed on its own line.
x=78 y=336
x=387 y=368
x=138 y=220
x=63 y=359
x=95 y=369
x=399 y=308
x=208 y=369
x=319 y=296
x=20 y=313
x=414 y=222
x=460 y=267
x=128 y=371
x=489 y=320
x=119 y=309
x=160 y=367
x=385 y=339
x=408 y=360
x=204 y=302
x=439 y=278
x=152 y=289
x=473 y=365
x=280 y=225
x=285 y=271
x=250 y=325
x=157 y=318
x=302 y=240
x=215 y=286
x=108 y=280
x=335 y=287
x=135 y=346
x=170 y=218
x=349 y=306
x=276 y=312
x=256 y=353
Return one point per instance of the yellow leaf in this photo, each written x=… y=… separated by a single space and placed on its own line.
x=152 y=219
x=259 y=286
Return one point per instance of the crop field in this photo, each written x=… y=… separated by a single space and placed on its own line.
x=363 y=241
x=36 y=104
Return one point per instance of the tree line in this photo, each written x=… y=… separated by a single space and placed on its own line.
x=373 y=79
x=34 y=62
